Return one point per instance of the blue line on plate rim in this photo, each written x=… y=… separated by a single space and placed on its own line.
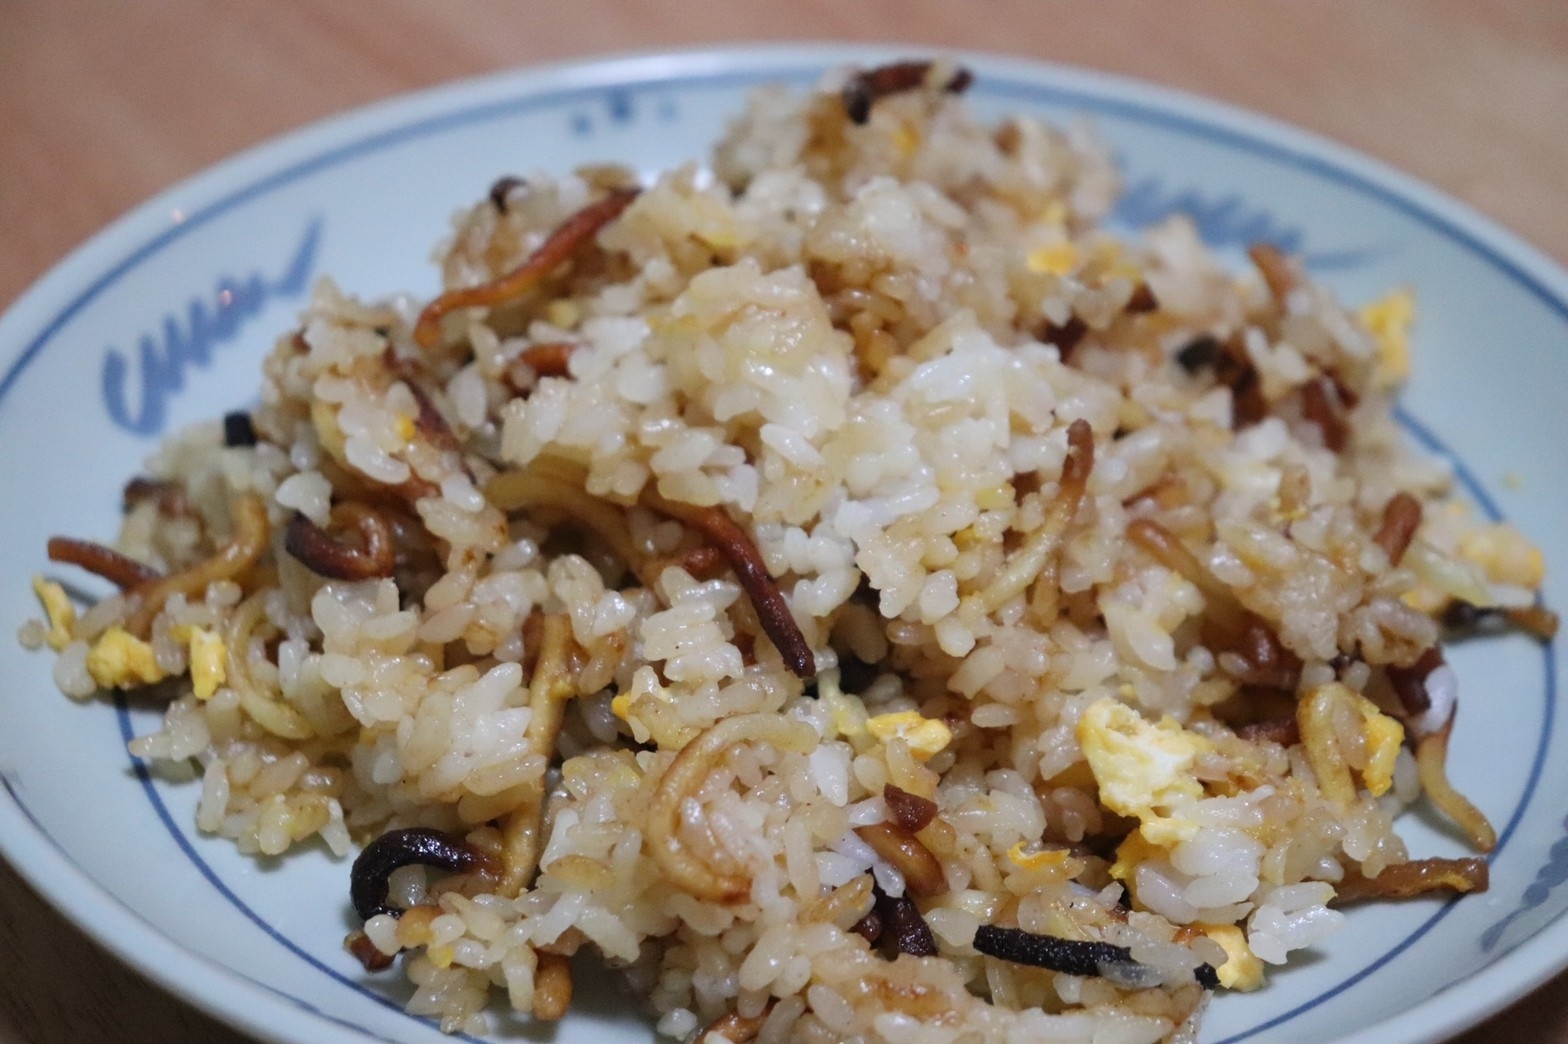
x=1001 y=85
x=144 y=778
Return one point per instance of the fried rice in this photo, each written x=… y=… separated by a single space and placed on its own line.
x=843 y=588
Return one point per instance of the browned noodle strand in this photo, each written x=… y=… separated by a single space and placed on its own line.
x=244 y=549
x=552 y=253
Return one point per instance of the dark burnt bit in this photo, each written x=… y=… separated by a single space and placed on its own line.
x=1142 y=300
x=910 y=811
x=1409 y=683
x=1460 y=615
x=368 y=880
x=120 y=570
x=1234 y=369
x=502 y=189
x=904 y=927
x=1231 y=367
x=1065 y=337
x=855 y=675
x=869 y=927
x=1068 y=956
x=1198 y=354
x=238 y=429
x=865 y=88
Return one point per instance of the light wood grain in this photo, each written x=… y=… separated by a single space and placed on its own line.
x=103 y=104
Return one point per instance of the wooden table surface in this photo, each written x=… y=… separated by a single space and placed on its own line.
x=103 y=104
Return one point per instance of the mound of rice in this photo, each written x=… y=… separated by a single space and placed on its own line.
x=842 y=588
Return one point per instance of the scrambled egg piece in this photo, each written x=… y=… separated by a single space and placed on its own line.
x=1242 y=970
x=209 y=662
x=58 y=607
x=1388 y=320
x=1134 y=849
x=120 y=660
x=1058 y=259
x=926 y=736
x=1143 y=769
x=1506 y=555
x=1384 y=737
x=848 y=713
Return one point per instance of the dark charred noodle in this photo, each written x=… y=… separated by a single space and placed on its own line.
x=1068 y=956
x=576 y=230
x=399 y=848
x=1401 y=519
x=1463 y=617
x=503 y=188
x=905 y=927
x=1417 y=877
x=1200 y=353
x=861 y=92
x=910 y=811
x=1460 y=615
x=1409 y=683
x=326 y=555
x=238 y=430
x=120 y=570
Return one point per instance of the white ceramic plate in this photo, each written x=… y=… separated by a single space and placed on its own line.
x=162 y=320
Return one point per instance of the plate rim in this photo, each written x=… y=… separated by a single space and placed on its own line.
x=215 y=188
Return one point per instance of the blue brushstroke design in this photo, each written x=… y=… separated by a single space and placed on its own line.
x=620 y=105
x=1551 y=874
x=162 y=361
x=1226 y=221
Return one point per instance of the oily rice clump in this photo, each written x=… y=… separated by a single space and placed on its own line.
x=842 y=588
